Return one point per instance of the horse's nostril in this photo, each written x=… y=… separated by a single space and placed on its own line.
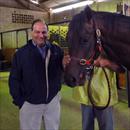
x=73 y=80
x=81 y=76
x=70 y=81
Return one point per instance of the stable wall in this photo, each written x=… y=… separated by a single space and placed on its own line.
x=23 y=18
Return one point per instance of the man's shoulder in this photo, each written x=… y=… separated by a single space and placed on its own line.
x=24 y=48
x=56 y=47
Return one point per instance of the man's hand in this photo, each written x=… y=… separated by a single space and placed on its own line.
x=66 y=60
x=103 y=62
x=100 y=62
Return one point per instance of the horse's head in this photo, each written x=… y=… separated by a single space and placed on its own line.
x=82 y=41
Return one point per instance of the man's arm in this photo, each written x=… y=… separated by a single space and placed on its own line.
x=102 y=62
x=15 y=83
x=66 y=60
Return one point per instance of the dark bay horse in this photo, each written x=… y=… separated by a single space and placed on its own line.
x=89 y=33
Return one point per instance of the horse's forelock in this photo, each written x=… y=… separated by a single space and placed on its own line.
x=75 y=28
x=79 y=20
x=88 y=14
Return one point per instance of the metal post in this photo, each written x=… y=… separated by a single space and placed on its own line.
x=128 y=87
x=1 y=40
x=26 y=31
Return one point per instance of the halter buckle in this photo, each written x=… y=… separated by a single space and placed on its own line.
x=88 y=72
x=84 y=62
x=98 y=32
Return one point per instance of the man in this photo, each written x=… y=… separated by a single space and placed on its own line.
x=99 y=93
x=35 y=80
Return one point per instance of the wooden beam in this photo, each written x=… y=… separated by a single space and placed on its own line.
x=26 y=3
x=21 y=3
x=42 y=1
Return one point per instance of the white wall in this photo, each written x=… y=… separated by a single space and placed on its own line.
x=6 y=23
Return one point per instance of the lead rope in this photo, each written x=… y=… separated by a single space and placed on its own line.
x=98 y=34
x=46 y=69
x=90 y=93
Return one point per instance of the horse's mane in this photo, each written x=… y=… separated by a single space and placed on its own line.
x=75 y=25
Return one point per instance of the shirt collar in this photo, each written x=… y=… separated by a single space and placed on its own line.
x=35 y=44
x=46 y=44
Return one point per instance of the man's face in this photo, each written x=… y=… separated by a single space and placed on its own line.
x=39 y=33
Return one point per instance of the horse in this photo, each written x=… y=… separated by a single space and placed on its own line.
x=91 y=34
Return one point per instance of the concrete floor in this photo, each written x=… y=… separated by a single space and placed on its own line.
x=121 y=110
x=122 y=116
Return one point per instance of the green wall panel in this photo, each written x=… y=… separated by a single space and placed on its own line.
x=9 y=40
x=21 y=38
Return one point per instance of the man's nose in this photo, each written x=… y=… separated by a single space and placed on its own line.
x=41 y=34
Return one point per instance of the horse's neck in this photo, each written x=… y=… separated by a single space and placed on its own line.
x=115 y=31
x=114 y=26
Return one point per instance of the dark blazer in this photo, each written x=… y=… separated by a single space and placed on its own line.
x=27 y=80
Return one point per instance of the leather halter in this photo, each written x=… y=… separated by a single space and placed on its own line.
x=98 y=47
x=89 y=68
x=89 y=72
x=88 y=63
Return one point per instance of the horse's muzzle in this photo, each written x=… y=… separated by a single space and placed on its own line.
x=73 y=81
x=70 y=81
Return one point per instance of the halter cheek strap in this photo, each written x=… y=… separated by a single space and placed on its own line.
x=99 y=44
x=98 y=47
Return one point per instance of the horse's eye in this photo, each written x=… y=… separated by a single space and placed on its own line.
x=85 y=40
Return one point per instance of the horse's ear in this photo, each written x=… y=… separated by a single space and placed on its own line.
x=88 y=13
